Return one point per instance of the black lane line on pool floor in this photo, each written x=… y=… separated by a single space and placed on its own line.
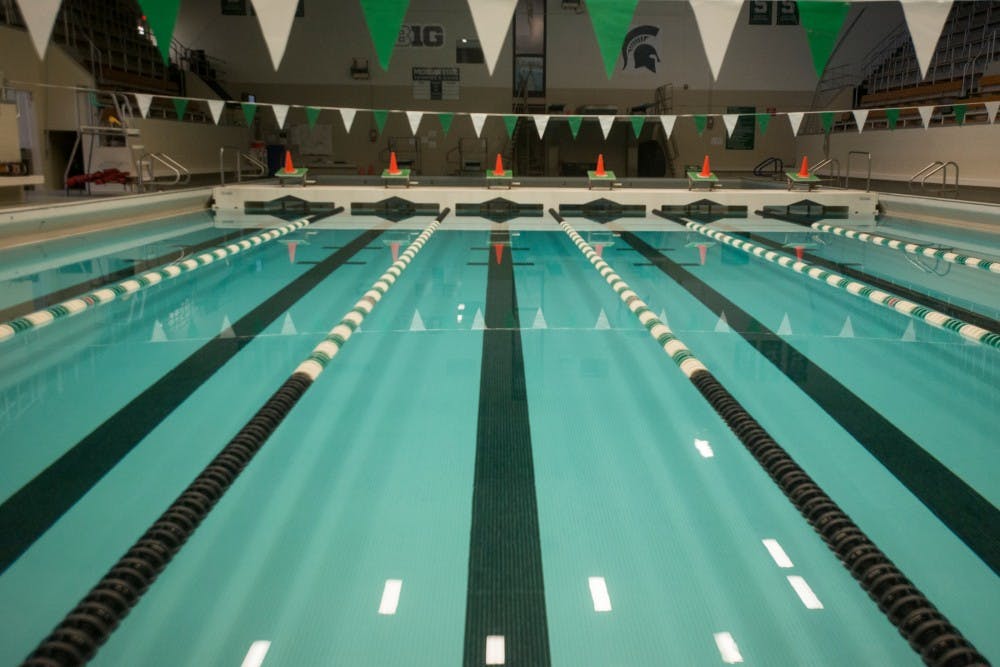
x=26 y=515
x=506 y=593
x=66 y=293
x=960 y=507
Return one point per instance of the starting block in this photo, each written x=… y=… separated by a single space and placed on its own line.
x=605 y=180
x=695 y=179
x=796 y=179
x=295 y=177
x=501 y=181
x=397 y=180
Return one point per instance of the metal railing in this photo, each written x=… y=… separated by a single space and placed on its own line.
x=182 y=175
x=933 y=168
x=240 y=157
x=772 y=166
x=831 y=164
x=847 y=177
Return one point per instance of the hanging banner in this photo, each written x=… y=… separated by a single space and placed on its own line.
x=510 y=122
x=822 y=21
x=991 y=110
x=610 y=19
x=492 y=19
x=435 y=83
x=741 y=136
x=312 y=115
x=216 y=107
x=143 y=101
x=384 y=18
x=445 y=120
x=540 y=123
x=280 y=114
x=959 y=111
x=925 y=115
x=39 y=16
x=730 y=120
x=414 y=118
x=668 y=124
x=925 y=20
x=860 y=118
x=275 y=18
x=763 y=120
x=637 y=123
x=641 y=49
x=478 y=120
x=180 y=107
x=574 y=124
x=700 y=123
x=892 y=115
x=716 y=20
x=249 y=111
x=347 y=115
x=795 y=120
x=161 y=15
x=381 y=115
x=827 y=118
x=606 y=123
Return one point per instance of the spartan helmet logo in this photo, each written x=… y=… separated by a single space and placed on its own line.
x=640 y=48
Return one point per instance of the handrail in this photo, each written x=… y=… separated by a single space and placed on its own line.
x=927 y=169
x=180 y=171
x=847 y=177
x=831 y=162
x=776 y=163
x=240 y=156
x=944 y=178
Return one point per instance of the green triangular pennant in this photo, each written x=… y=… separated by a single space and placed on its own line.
x=446 y=119
x=611 y=19
x=893 y=117
x=700 y=121
x=827 y=117
x=762 y=121
x=959 y=110
x=384 y=19
x=180 y=106
x=574 y=124
x=380 y=117
x=249 y=111
x=312 y=115
x=822 y=21
x=637 y=123
x=161 y=15
x=511 y=123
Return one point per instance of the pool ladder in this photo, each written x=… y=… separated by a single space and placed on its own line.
x=934 y=168
x=241 y=157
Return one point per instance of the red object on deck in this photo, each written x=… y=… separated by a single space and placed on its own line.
x=600 y=166
x=498 y=170
x=393 y=167
x=706 y=171
x=289 y=167
x=804 y=169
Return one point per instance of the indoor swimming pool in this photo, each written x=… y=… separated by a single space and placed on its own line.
x=500 y=466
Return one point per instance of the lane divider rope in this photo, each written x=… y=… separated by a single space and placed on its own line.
x=108 y=293
x=926 y=629
x=81 y=633
x=912 y=248
x=859 y=289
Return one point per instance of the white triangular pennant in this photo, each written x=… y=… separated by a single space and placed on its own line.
x=275 y=18
x=860 y=118
x=414 y=118
x=668 y=124
x=925 y=115
x=478 y=119
x=606 y=123
x=216 y=107
x=492 y=20
x=716 y=20
x=848 y=329
x=602 y=321
x=417 y=323
x=288 y=327
x=722 y=326
x=159 y=335
x=39 y=16
x=539 y=322
x=785 y=328
x=991 y=110
x=540 y=123
x=478 y=321
x=347 y=115
x=910 y=334
x=226 y=331
x=730 y=119
x=143 y=101
x=795 y=120
x=280 y=114
x=925 y=19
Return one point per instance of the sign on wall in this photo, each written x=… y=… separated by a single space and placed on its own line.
x=742 y=136
x=641 y=49
x=234 y=7
x=761 y=12
x=788 y=12
x=436 y=83
x=420 y=35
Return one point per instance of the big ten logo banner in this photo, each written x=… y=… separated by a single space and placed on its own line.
x=641 y=49
x=420 y=35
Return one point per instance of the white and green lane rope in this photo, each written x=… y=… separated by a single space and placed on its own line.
x=41 y=318
x=911 y=248
x=858 y=289
x=678 y=351
x=323 y=353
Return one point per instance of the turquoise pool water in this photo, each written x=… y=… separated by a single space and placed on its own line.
x=373 y=477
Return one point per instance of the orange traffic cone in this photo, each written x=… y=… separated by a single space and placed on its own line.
x=706 y=171
x=498 y=170
x=289 y=167
x=393 y=167
x=600 y=166
x=804 y=169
